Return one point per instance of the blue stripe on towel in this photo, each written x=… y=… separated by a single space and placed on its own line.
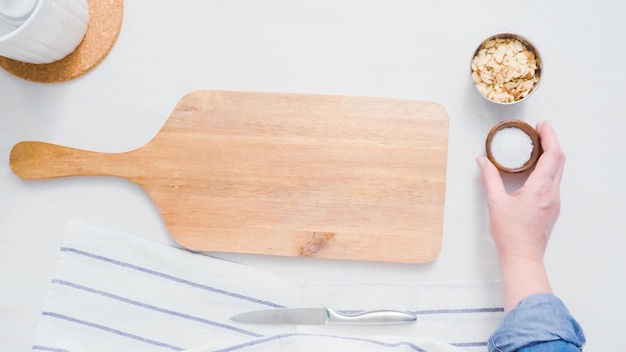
x=111 y=330
x=469 y=344
x=170 y=277
x=439 y=311
x=46 y=348
x=154 y=308
x=460 y=311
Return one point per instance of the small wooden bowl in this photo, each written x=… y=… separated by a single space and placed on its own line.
x=526 y=128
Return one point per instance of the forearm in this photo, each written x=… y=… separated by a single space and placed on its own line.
x=522 y=277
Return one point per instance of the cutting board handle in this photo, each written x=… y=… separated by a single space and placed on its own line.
x=37 y=161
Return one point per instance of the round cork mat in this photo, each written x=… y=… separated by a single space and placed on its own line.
x=105 y=23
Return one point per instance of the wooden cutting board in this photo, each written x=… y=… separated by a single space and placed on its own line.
x=284 y=174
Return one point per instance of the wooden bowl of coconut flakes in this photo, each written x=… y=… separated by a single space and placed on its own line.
x=513 y=146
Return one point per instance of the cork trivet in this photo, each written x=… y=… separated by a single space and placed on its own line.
x=105 y=23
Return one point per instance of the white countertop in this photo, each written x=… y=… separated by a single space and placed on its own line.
x=398 y=48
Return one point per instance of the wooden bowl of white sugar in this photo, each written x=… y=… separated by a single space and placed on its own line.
x=513 y=146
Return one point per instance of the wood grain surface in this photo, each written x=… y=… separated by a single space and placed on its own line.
x=340 y=177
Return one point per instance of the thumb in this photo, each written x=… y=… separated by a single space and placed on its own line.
x=491 y=178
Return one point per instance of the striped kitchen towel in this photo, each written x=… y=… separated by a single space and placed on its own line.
x=117 y=292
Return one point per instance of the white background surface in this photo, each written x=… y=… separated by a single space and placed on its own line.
x=392 y=48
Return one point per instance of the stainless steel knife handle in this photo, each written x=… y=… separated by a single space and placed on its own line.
x=376 y=317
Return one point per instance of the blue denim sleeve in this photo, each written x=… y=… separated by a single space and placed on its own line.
x=539 y=323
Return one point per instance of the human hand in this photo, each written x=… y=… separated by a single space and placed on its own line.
x=521 y=223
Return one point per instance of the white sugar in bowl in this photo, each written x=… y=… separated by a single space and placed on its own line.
x=513 y=146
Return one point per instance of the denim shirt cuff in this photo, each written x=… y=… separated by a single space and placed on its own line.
x=537 y=318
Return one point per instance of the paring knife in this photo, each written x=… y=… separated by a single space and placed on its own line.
x=321 y=316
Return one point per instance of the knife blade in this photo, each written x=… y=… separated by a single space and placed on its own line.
x=322 y=316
